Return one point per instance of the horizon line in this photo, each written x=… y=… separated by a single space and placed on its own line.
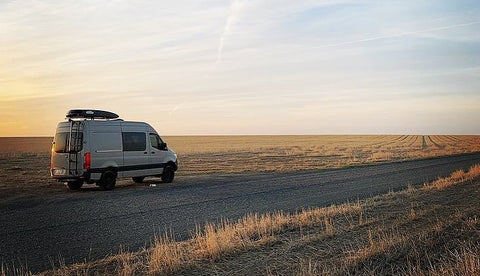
x=323 y=134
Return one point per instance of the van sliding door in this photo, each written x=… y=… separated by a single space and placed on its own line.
x=135 y=154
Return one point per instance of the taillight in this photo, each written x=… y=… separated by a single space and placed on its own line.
x=87 y=161
x=51 y=156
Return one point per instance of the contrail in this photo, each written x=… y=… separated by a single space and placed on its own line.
x=232 y=16
x=400 y=34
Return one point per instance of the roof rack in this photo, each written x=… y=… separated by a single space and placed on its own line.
x=90 y=114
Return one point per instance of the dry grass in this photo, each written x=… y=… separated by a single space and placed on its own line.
x=429 y=230
x=455 y=178
x=463 y=262
x=25 y=162
x=424 y=239
x=236 y=154
x=6 y=270
x=215 y=241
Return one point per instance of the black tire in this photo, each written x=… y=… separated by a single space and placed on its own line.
x=75 y=185
x=168 y=174
x=108 y=181
x=138 y=179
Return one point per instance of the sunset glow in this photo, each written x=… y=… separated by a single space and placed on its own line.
x=243 y=67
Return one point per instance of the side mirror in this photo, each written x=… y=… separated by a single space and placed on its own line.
x=163 y=146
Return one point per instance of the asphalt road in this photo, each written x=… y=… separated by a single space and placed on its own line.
x=90 y=224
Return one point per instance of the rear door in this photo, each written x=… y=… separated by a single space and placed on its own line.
x=60 y=153
x=67 y=158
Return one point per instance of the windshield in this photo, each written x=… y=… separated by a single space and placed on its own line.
x=62 y=142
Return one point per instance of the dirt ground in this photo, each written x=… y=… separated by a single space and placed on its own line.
x=26 y=174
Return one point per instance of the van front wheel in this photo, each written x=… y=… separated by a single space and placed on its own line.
x=108 y=180
x=168 y=174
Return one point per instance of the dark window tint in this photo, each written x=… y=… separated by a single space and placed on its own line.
x=65 y=142
x=134 y=141
x=61 y=142
x=156 y=141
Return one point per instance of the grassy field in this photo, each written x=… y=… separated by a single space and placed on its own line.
x=427 y=230
x=235 y=154
x=25 y=162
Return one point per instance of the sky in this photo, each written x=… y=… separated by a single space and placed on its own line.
x=243 y=66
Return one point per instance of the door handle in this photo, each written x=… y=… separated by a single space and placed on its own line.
x=145 y=152
x=153 y=152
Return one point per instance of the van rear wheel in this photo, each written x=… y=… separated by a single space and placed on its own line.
x=138 y=179
x=75 y=185
x=108 y=181
x=168 y=174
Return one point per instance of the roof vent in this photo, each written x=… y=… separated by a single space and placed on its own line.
x=90 y=114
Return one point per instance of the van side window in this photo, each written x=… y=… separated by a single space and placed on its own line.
x=134 y=141
x=156 y=141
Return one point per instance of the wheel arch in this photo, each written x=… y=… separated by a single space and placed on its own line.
x=110 y=170
x=173 y=164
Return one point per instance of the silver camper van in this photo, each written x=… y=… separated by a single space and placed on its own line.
x=94 y=146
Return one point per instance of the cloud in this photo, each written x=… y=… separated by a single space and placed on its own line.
x=407 y=33
x=175 y=108
x=234 y=12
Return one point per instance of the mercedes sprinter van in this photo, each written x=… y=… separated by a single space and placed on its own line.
x=95 y=146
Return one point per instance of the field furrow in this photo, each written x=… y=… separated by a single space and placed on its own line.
x=439 y=146
x=237 y=154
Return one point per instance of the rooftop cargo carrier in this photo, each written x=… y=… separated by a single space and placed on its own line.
x=90 y=114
